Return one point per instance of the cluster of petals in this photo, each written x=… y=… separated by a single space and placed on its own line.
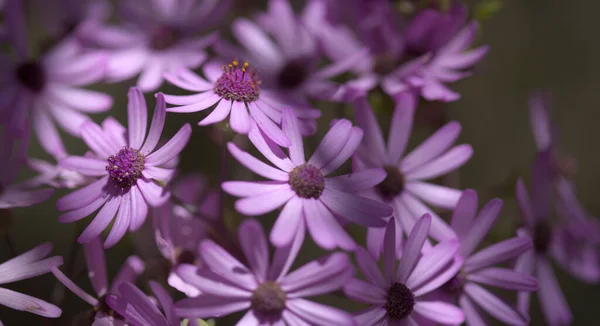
x=128 y=168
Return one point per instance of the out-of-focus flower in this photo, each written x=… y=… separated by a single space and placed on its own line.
x=46 y=90
x=102 y=314
x=397 y=295
x=157 y=37
x=432 y=50
x=404 y=187
x=182 y=223
x=236 y=90
x=27 y=265
x=289 y=64
x=478 y=269
x=129 y=170
x=272 y=293
x=12 y=157
x=139 y=310
x=301 y=187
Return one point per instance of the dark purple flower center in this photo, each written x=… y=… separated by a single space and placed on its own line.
x=184 y=256
x=238 y=83
x=542 y=235
x=307 y=181
x=126 y=167
x=163 y=37
x=393 y=184
x=293 y=74
x=399 y=302
x=268 y=299
x=32 y=75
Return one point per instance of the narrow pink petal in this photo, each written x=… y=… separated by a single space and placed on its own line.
x=255 y=165
x=219 y=114
x=318 y=314
x=130 y=270
x=432 y=262
x=73 y=287
x=401 y=125
x=150 y=77
x=121 y=224
x=206 y=103
x=369 y=269
x=154 y=194
x=392 y=240
x=483 y=223
x=166 y=302
x=115 y=132
x=292 y=319
x=375 y=241
x=156 y=126
x=82 y=197
x=373 y=139
x=290 y=127
x=498 y=253
x=188 y=99
x=375 y=315
x=94 y=137
x=29 y=270
x=360 y=210
x=325 y=230
x=434 y=146
x=30 y=256
x=264 y=203
x=269 y=149
x=254 y=245
x=539 y=117
x=505 y=279
x=285 y=256
x=413 y=247
x=256 y=42
x=137 y=117
x=440 y=230
x=142 y=304
x=85 y=211
x=524 y=204
x=85 y=165
x=12 y=198
x=188 y=80
x=46 y=132
x=101 y=221
x=172 y=148
x=332 y=144
x=552 y=300
x=443 y=277
x=318 y=277
x=464 y=213
x=158 y=174
x=525 y=264
x=251 y=189
x=240 y=120
x=364 y=292
x=225 y=265
x=440 y=312
x=494 y=305
x=347 y=151
x=286 y=226
x=96 y=265
x=82 y=99
x=23 y=302
x=357 y=181
x=210 y=283
x=268 y=126
x=210 y=306
x=449 y=161
x=439 y=196
x=472 y=315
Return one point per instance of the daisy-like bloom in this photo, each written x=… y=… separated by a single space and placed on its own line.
x=236 y=90
x=128 y=166
x=479 y=267
x=273 y=295
x=404 y=187
x=139 y=310
x=288 y=63
x=27 y=265
x=535 y=212
x=397 y=295
x=301 y=187
x=182 y=223
x=157 y=37
x=46 y=90
x=431 y=51
x=12 y=156
x=101 y=313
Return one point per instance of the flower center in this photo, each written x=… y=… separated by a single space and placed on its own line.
x=31 y=75
x=240 y=84
x=126 y=167
x=542 y=234
x=184 y=256
x=393 y=184
x=307 y=181
x=163 y=37
x=400 y=301
x=268 y=299
x=292 y=75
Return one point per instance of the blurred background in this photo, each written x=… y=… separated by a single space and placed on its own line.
x=549 y=45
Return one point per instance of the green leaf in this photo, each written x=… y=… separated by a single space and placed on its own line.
x=210 y=322
x=486 y=9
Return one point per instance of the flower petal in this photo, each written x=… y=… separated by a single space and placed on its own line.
x=505 y=279
x=464 y=213
x=494 y=305
x=432 y=262
x=449 y=161
x=254 y=245
x=325 y=230
x=434 y=146
x=440 y=312
x=255 y=165
x=498 y=253
x=137 y=117
x=172 y=148
x=266 y=202
x=85 y=165
x=356 y=181
x=96 y=265
x=483 y=223
x=101 y=221
x=156 y=126
x=332 y=144
x=22 y=302
x=401 y=125
x=289 y=223
x=318 y=277
x=318 y=314
x=412 y=248
x=360 y=210
x=225 y=265
x=365 y=292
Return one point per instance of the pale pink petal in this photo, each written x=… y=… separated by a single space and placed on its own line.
x=464 y=213
x=292 y=131
x=254 y=245
x=498 y=253
x=332 y=144
x=494 y=305
x=435 y=145
x=401 y=125
x=413 y=246
x=137 y=117
x=318 y=277
x=325 y=230
x=432 y=262
x=440 y=312
x=264 y=203
x=225 y=265
x=364 y=292
x=317 y=314
x=210 y=306
x=369 y=269
x=255 y=165
x=172 y=148
x=287 y=224
x=505 y=279
x=269 y=149
x=22 y=302
x=156 y=126
x=121 y=224
x=101 y=221
x=439 y=196
x=347 y=151
x=360 y=210
x=219 y=114
x=96 y=265
x=251 y=189
x=483 y=223
x=84 y=165
x=449 y=161
x=268 y=126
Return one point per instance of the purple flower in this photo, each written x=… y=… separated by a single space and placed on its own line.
x=96 y=266
x=236 y=90
x=404 y=187
x=45 y=89
x=139 y=310
x=289 y=65
x=304 y=191
x=54 y=175
x=182 y=223
x=536 y=261
x=397 y=296
x=12 y=156
x=157 y=37
x=272 y=293
x=478 y=269
x=27 y=265
x=128 y=167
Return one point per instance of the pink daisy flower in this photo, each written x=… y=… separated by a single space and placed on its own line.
x=236 y=91
x=27 y=265
x=273 y=295
x=157 y=37
x=47 y=90
x=307 y=196
x=398 y=296
x=101 y=314
x=479 y=267
x=128 y=165
x=405 y=187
